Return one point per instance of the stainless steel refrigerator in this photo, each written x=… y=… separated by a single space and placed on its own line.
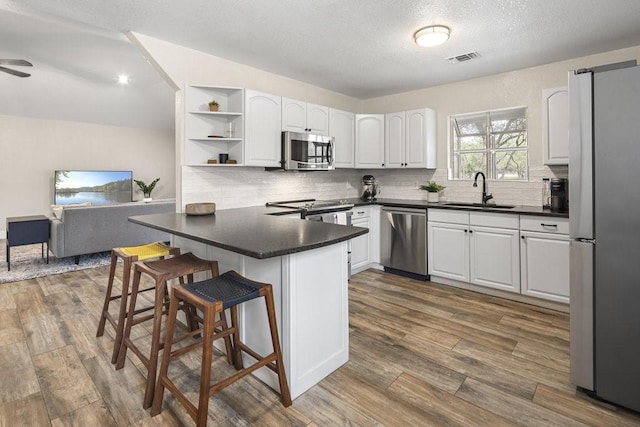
x=604 y=198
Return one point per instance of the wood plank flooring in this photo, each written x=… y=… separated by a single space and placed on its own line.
x=420 y=354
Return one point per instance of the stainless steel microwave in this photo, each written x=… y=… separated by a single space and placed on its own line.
x=307 y=151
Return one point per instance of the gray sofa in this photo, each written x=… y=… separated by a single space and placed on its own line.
x=90 y=229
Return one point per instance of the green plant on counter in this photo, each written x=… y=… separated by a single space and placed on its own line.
x=432 y=187
x=146 y=189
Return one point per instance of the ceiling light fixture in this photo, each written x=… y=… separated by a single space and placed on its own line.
x=123 y=80
x=433 y=35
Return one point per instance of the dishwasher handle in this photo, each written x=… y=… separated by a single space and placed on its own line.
x=412 y=211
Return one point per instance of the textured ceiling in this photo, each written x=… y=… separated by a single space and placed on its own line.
x=361 y=48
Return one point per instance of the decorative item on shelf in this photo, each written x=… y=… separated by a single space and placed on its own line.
x=230 y=130
x=212 y=162
x=232 y=162
x=146 y=189
x=223 y=158
x=200 y=208
x=213 y=105
x=433 y=190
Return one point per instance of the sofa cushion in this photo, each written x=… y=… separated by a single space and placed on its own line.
x=59 y=209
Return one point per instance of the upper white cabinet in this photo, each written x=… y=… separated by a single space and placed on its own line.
x=420 y=139
x=262 y=129
x=369 y=141
x=300 y=116
x=544 y=257
x=410 y=139
x=342 y=127
x=394 y=140
x=211 y=133
x=555 y=117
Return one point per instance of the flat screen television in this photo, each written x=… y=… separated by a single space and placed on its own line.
x=97 y=187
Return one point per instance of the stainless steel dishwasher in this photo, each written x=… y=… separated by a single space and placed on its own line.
x=403 y=240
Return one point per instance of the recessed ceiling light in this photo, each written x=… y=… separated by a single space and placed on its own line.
x=433 y=35
x=123 y=80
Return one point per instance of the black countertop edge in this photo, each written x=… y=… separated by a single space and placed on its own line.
x=248 y=231
x=423 y=204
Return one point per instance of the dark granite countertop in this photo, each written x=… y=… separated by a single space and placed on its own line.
x=249 y=231
x=422 y=204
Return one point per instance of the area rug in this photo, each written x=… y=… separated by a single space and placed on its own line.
x=27 y=263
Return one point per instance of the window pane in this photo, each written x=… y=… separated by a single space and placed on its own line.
x=510 y=140
x=470 y=163
x=511 y=164
x=478 y=142
x=508 y=120
x=470 y=125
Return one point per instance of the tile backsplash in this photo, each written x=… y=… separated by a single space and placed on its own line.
x=231 y=187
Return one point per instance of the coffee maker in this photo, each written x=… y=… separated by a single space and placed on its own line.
x=369 y=188
x=559 y=194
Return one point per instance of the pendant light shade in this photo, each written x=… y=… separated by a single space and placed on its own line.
x=433 y=35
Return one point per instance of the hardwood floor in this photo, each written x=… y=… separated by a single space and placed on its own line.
x=420 y=354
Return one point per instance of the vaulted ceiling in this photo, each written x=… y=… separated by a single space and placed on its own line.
x=361 y=48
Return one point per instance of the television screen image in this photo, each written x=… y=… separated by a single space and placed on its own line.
x=97 y=187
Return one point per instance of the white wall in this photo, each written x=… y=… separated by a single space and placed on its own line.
x=254 y=186
x=32 y=149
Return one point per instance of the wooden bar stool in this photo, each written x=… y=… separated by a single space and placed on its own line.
x=128 y=255
x=161 y=272
x=212 y=297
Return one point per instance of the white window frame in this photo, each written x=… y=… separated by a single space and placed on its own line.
x=490 y=171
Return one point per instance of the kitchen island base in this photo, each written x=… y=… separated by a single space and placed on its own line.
x=310 y=293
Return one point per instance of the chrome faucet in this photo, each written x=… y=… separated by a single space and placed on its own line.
x=485 y=197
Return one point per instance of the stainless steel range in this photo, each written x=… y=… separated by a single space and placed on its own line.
x=313 y=207
x=329 y=211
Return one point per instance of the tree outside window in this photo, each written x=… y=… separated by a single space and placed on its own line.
x=493 y=142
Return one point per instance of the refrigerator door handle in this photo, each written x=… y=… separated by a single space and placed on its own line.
x=581 y=320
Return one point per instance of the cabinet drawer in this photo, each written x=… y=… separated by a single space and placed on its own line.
x=448 y=215
x=487 y=219
x=544 y=224
x=360 y=212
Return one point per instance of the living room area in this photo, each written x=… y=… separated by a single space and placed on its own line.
x=73 y=114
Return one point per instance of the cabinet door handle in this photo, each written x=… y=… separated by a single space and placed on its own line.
x=554 y=226
x=466 y=231
x=522 y=237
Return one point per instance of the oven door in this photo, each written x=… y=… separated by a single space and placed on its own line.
x=304 y=151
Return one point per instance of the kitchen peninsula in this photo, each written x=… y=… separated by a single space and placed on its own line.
x=304 y=261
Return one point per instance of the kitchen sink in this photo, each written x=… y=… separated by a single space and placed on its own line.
x=478 y=205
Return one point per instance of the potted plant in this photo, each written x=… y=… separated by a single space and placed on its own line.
x=433 y=190
x=146 y=189
x=213 y=105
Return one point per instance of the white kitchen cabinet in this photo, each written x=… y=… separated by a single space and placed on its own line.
x=420 y=139
x=361 y=245
x=300 y=116
x=207 y=133
x=474 y=247
x=544 y=257
x=448 y=244
x=370 y=141
x=342 y=129
x=262 y=129
x=555 y=117
x=494 y=251
x=410 y=139
x=394 y=140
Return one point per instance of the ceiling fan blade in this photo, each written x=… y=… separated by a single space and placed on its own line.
x=14 y=72
x=16 y=62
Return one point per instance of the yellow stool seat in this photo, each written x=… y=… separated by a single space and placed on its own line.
x=152 y=250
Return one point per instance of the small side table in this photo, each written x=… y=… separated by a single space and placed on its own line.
x=27 y=230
